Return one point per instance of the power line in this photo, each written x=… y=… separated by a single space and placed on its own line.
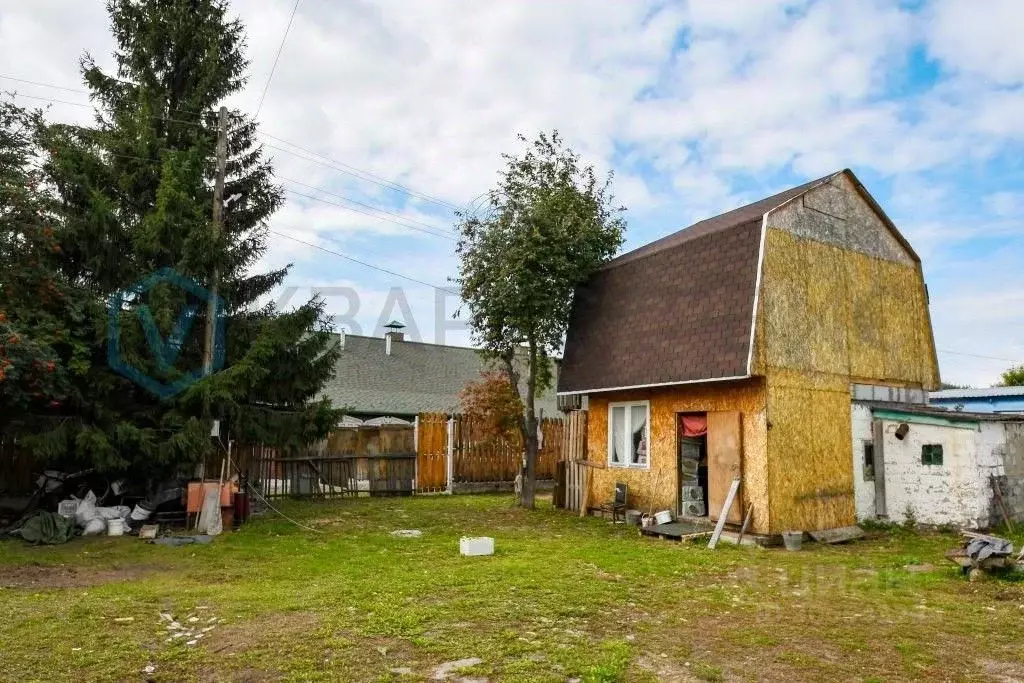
x=89 y=106
x=353 y=171
x=366 y=213
x=975 y=355
x=321 y=159
x=277 y=57
x=43 y=85
x=362 y=263
x=368 y=206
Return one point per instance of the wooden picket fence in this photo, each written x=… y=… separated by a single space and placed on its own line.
x=575 y=450
x=450 y=451
x=432 y=453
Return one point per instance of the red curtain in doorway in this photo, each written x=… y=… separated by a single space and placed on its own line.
x=693 y=425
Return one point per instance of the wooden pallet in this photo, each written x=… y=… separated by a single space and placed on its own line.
x=676 y=531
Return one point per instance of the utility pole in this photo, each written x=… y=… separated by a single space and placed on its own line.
x=218 y=217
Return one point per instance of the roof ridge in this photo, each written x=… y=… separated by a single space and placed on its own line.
x=720 y=222
x=409 y=341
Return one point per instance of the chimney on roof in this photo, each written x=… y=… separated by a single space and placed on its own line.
x=394 y=334
x=341 y=338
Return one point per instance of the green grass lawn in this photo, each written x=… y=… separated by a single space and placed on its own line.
x=562 y=598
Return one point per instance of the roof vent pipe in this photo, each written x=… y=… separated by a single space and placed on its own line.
x=394 y=332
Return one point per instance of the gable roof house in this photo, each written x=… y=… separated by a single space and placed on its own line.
x=377 y=378
x=733 y=347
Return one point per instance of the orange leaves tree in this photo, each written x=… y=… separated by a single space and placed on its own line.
x=492 y=405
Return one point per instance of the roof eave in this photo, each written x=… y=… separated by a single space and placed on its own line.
x=656 y=385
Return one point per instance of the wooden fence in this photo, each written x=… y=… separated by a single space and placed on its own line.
x=318 y=475
x=451 y=449
x=575 y=449
x=433 y=455
x=17 y=469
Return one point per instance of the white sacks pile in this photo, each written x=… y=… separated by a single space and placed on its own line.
x=93 y=519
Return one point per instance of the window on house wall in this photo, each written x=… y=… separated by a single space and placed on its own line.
x=931 y=454
x=869 y=461
x=628 y=434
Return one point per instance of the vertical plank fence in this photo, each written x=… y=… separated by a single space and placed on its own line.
x=17 y=468
x=431 y=453
x=575 y=450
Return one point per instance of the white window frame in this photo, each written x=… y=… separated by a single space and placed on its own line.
x=627 y=405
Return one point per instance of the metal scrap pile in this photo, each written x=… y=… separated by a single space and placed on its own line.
x=981 y=552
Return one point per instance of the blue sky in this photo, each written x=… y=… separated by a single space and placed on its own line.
x=698 y=107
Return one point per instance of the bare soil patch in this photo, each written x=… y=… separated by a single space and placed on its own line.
x=268 y=630
x=63 y=576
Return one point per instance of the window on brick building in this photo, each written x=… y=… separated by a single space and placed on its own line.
x=931 y=454
x=869 y=461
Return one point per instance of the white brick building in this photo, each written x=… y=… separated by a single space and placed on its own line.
x=936 y=466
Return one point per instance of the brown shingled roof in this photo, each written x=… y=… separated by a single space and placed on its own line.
x=676 y=310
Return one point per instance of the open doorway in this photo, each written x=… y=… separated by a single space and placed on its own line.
x=692 y=464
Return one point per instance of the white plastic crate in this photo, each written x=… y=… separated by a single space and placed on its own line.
x=481 y=545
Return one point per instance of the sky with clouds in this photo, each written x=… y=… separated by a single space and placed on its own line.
x=384 y=116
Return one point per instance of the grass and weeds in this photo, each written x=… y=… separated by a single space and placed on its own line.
x=563 y=598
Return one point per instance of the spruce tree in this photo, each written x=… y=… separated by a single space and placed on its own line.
x=42 y=341
x=135 y=192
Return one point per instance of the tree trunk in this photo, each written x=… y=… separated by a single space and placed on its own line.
x=530 y=435
x=527 y=424
x=530 y=471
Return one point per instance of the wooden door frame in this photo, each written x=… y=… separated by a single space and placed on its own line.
x=679 y=468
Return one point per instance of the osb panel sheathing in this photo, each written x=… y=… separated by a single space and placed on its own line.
x=834 y=310
x=829 y=316
x=660 y=483
x=809 y=469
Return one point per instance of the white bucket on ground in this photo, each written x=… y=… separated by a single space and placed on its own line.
x=793 y=539
x=115 y=527
x=482 y=545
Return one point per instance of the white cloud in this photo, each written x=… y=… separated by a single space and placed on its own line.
x=980 y=39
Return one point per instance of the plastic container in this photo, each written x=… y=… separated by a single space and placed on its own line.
x=482 y=545
x=663 y=517
x=67 y=508
x=793 y=540
x=633 y=517
x=115 y=527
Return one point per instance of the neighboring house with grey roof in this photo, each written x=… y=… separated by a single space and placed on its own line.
x=388 y=376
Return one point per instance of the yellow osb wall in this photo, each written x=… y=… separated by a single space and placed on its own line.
x=828 y=317
x=810 y=471
x=659 y=484
x=833 y=310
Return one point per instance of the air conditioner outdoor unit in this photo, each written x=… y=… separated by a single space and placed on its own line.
x=692 y=493
x=693 y=508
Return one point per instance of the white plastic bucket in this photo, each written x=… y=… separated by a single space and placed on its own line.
x=793 y=540
x=115 y=527
x=663 y=517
